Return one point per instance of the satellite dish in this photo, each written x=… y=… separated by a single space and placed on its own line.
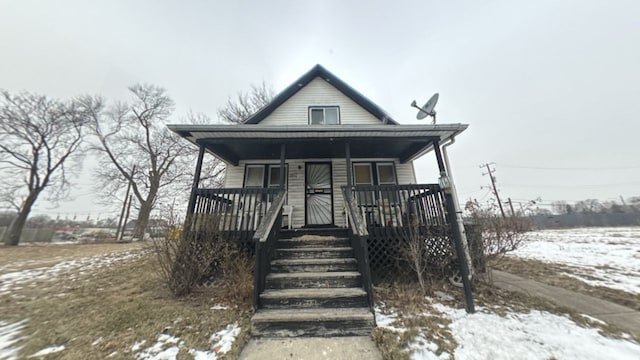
x=427 y=109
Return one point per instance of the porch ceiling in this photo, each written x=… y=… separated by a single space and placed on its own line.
x=233 y=143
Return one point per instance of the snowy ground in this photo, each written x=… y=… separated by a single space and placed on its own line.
x=168 y=347
x=14 y=280
x=607 y=257
x=517 y=335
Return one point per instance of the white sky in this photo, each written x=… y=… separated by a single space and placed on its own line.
x=552 y=84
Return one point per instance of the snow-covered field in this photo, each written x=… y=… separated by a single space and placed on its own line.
x=607 y=257
x=517 y=335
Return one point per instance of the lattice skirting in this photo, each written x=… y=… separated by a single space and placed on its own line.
x=388 y=246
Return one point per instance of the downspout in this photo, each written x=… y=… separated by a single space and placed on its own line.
x=454 y=192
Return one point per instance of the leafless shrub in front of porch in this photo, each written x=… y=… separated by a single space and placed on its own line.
x=500 y=235
x=421 y=255
x=233 y=276
x=203 y=257
x=186 y=258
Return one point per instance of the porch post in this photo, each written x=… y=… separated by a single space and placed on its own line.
x=347 y=155
x=282 y=172
x=196 y=182
x=455 y=229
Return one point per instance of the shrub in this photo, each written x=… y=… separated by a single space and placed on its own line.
x=427 y=254
x=500 y=235
x=203 y=257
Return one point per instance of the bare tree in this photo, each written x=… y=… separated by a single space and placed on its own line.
x=138 y=148
x=237 y=110
x=38 y=136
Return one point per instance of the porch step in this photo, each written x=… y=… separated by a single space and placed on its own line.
x=313 y=265
x=312 y=322
x=314 y=253
x=313 y=298
x=338 y=279
x=313 y=242
x=333 y=231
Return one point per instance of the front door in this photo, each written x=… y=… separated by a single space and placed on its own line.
x=319 y=198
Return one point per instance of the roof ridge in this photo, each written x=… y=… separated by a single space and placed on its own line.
x=320 y=71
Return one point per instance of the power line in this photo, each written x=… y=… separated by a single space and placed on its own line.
x=568 y=168
x=571 y=186
x=490 y=172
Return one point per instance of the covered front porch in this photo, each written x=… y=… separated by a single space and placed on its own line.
x=312 y=177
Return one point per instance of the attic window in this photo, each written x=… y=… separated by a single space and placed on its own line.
x=324 y=115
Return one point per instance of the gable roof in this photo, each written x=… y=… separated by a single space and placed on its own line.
x=319 y=71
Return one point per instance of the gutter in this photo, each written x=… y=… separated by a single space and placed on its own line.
x=465 y=243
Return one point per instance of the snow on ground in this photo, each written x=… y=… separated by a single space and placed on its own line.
x=14 y=280
x=607 y=257
x=9 y=339
x=532 y=335
x=167 y=347
x=48 y=350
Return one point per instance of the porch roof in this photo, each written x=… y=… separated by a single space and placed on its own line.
x=233 y=143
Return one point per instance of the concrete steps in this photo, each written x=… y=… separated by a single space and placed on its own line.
x=315 y=253
x=314 y=265
x=314 y=289
x=313 y=298
x=313 y=242
x=312 y=322
x=337 y=279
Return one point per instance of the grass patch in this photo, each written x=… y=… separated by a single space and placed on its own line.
x=34 y=255
x=416 y=315
x=104 y=311
x=555 y=274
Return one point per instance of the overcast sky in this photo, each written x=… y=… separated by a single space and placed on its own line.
x=550 y=89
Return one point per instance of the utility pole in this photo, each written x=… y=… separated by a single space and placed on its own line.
x=126 y=218
x=490 y=172
x=513 y=213
x=124 y=207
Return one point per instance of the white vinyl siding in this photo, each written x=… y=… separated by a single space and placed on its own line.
x=295 y=111
x=234 y=176
x=296 y=178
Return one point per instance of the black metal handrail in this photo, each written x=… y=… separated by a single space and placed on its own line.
x=358 y=236
x=265 y=239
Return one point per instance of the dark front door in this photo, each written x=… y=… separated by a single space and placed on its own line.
x=319 y=198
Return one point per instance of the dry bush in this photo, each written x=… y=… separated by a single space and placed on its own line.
x=425 y=256
x=233 y=279
x=499 y=235
x=188 y=259
x=102 y=237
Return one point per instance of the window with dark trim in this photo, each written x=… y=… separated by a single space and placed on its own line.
x=374 y=173
x=265 y=176
x=254 y=175
x=324 y=115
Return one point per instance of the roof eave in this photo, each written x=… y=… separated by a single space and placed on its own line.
x=319 y=71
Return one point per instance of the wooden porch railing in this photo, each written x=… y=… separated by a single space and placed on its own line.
x=400 y=206
x=265 y=239
x=358 y=236
x=238 y=212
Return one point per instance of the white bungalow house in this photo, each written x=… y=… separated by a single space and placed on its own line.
x=321 y=158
